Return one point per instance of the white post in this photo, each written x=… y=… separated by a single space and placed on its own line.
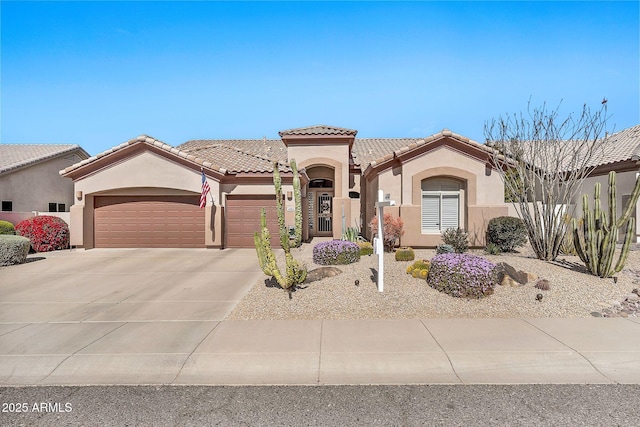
x=380 y=241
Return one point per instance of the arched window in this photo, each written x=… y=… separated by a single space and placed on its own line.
x=440 y=204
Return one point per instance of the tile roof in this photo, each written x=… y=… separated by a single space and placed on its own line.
x=319 y=130
x=618 y=147
x=367 y=150
x=621 y=146
x=257 y=155
x=373 y=151
x=252 y=155
x=14 y=156
x=241 y=155
x=150 y=141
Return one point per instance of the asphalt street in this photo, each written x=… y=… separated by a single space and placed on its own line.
x=468 y=405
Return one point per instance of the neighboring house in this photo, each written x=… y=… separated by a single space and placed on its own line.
x=144 y=193
x=29 y=178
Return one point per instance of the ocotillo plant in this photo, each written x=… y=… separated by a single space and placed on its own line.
x=295 y=273
x=597 y=242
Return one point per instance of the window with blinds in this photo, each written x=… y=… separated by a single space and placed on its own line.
x=440 y=205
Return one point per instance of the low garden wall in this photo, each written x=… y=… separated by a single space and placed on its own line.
x=16 y=217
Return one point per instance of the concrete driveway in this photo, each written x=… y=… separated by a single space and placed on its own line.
x=91 y=309
x=154 y=316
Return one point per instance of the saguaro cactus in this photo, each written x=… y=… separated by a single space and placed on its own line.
x=596 y=244
x=295 y=273
x=297 y=197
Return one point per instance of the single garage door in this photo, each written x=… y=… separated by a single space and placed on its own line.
x=148 y=222
x=243 y=219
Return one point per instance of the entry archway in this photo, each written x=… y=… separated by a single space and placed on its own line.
x=320 y=194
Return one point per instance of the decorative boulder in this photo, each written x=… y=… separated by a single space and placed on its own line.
x=321 y=273
x=509 y=276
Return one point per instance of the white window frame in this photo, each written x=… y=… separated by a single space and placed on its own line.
x=440 y=195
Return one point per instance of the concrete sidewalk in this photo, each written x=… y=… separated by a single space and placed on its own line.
x=318 y=352
x=157 y=317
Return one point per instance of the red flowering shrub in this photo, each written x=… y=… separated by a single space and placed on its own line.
x=46 y=233
x=392 y=229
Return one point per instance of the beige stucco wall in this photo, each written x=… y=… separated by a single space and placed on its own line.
x=371 y=196
x=335 y=157
x=32 y=188
x=144 y=174
x=146 y=169
x=490 y=192
x=482 y=194
x=625 y=182
x=390 y=182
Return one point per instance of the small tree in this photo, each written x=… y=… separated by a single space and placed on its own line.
x=544 y=160
x=392 y=229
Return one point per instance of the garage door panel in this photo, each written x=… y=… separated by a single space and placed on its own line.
x=243 y=219
x=148 y=221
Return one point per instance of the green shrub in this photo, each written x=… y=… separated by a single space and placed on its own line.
x=507 y=233
x=351 y=234
x=13 y=249
x=405 y=254
x=444 y=249
x=336 y=252
x=492 y=249
x=462 y=275
x=456 y=237
x=7 y=228
x=366 y=248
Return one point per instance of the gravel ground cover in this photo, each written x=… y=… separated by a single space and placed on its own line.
x=573 y=292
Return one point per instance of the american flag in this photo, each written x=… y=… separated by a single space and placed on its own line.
x=205 y=190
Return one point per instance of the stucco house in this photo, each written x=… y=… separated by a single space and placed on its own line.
x=29 y=178
x=145 y=193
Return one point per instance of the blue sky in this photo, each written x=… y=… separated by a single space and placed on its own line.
x=100 y=73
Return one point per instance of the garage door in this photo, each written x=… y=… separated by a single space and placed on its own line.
x=148 y=222
x=243 y=219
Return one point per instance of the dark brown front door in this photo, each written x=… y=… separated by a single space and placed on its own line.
x=148 y=222
x=242 y=214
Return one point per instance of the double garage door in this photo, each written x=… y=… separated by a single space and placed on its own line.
x=148 y=222
x=177 y=221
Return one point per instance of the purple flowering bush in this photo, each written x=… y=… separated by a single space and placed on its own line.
x=462 y=275
x=336 y=252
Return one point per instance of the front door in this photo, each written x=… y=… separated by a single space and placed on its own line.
x=325 y=214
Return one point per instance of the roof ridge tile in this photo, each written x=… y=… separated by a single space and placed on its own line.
x=144 y=139
x=16 y=156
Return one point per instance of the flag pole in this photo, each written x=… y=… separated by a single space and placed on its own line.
x=213 y=202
